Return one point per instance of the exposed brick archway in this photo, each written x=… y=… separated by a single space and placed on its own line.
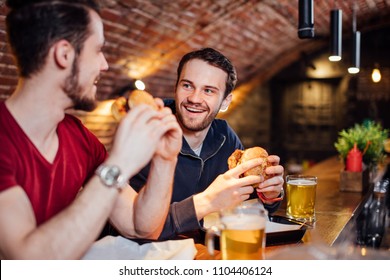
x=145 y=39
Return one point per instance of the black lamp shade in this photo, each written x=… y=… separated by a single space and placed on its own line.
x=356 y=49
x=306 y=19
x=335 y=34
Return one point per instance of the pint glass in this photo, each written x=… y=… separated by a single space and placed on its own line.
x=301 y=196
x=241 y=231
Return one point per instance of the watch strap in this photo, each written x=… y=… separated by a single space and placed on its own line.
x=264 y=199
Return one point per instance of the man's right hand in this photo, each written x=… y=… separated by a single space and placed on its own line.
x=227 y=190
x=137 y=138
x=171 y=142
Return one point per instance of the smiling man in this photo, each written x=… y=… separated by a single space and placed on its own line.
x=47 y=156
x=203 y=184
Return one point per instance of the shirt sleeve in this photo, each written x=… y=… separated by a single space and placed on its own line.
x=181 y=218
x=7 y=169
x=271 y=208
x=139 y=180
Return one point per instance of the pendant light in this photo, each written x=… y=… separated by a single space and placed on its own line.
x=306 y=19
x=376 y=74
x=139 y=84
x=355 y=67
x=336 y=18
x=355 y=55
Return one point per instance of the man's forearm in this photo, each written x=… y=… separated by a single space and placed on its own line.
x=68 y=235
x=152 y=203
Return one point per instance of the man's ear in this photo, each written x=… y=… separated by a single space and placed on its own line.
x=226 y=102
x=63 y=53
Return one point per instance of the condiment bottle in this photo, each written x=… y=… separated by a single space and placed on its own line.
x=376 y=218
x=361 y=223
x=354 y=160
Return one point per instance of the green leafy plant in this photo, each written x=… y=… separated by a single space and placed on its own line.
x=369 y=137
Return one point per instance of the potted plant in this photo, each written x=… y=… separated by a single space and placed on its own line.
x=369 y=138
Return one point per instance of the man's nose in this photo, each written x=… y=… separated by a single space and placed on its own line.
x=196 y=97
x=104 y=64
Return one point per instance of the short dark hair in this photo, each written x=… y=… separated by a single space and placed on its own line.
x=34 y=26
x=214 y=58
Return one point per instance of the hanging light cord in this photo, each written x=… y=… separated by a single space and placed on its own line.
x=354 y=17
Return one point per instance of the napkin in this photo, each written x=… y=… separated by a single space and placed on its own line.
x=120 y=248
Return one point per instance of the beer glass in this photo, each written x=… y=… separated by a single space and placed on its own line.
x=301 y=196
x=241 y=232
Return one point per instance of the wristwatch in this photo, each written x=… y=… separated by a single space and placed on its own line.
x=110 y=176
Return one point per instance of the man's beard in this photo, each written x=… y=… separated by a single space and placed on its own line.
x=73 y=90
x=196 y=126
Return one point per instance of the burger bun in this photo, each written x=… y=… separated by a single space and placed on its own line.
x=241 y=156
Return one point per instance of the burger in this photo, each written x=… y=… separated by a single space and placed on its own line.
x=241 y=156
x=138 y=97
x=122 y=105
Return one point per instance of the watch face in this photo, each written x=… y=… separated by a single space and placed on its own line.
x=112 y=175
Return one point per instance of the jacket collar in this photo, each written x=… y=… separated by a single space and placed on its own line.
x=212 y=143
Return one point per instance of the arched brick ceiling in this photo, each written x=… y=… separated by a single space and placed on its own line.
x=146 y=39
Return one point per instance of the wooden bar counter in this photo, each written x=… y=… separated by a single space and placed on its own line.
x=334 y=209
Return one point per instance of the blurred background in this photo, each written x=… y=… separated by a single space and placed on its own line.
x=290 y=98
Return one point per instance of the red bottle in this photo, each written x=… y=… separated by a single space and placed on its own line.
x=354 y=160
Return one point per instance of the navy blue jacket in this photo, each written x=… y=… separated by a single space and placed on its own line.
x=194 y=174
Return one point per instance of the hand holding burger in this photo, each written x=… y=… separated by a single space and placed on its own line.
x=241 y=156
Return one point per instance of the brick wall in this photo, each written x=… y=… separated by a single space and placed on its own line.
x=100 y=122
x=146 y=39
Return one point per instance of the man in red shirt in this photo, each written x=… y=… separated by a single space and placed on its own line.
x=47 y=156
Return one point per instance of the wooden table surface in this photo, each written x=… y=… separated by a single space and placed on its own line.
x=333 y=209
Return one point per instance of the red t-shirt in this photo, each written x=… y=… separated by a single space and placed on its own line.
x=50 y=186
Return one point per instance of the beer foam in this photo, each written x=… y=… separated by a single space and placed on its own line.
x=243 y=222
x=302 y=182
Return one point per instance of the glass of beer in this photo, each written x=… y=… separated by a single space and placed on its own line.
x=241 y=232
x=301 y=197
